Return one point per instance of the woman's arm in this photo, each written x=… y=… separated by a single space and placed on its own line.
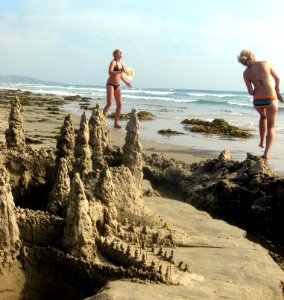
x=126 y=82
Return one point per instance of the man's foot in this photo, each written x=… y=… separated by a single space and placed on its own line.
x=117 y=126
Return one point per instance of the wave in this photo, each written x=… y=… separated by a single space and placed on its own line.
x=87 y=89
x=218 y=101
x=138 y=91
x=175 y=93
x=236 y=114
x=53 y=92
x=180 y=93
x=149 y=98
x=147 y=95
x=240 y=104
x=212 y=95
x=203 y=101
x=185 y=100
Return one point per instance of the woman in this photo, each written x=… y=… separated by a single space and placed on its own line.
x=258 y=78
x=113 y=88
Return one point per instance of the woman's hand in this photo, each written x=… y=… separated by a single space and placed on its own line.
x=129 y=85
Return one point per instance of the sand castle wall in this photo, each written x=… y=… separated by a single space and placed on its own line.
x=39 y=227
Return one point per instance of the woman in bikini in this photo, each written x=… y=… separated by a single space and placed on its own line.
x=258 y=78
x=113 y=88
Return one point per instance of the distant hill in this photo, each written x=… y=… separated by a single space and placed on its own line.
x=24 y=79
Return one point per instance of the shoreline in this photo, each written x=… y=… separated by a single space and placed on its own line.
x=48 y=124
x=42 y=125
x=170 y=151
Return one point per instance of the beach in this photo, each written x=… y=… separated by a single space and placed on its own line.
x=43 y=126
x=170 y=107
x=222 y=261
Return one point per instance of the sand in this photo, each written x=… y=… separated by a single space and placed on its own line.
x=222 y=262
x=42 y=125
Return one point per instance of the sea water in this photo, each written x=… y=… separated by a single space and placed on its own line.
x=171 y=106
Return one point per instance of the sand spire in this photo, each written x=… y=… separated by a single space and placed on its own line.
x=61 y=189
x=83 y=162
x=9 y=230
x=15 y=136
x=98 y=120
x=132 y=149
x=66 y=140
x=79 y=232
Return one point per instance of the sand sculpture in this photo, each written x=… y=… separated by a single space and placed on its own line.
x=15 y=137
x=79 y=208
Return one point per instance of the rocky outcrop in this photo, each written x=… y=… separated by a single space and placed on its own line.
x=246 y=193
x=217 y=126
x=15 y=136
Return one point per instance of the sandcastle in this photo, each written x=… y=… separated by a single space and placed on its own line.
x=79 y=207
x=73 y=218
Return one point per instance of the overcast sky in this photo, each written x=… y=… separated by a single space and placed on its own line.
x=189 y=44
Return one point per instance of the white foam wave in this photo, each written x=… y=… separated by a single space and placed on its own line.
x=96 y=94
x=239 y=104
x=54 y=92
x=213 y=95
x=138 y=91
x=86 y=89
x=149 y=98
x=158 y=93
x=185 y=100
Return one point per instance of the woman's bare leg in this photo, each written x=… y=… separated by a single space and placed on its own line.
x=271 y=112
x=110 y=92
x=118 y=100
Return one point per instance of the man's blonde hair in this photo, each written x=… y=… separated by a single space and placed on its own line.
x=246 y=57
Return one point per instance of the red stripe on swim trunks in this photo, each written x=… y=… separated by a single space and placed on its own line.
x=264 y=99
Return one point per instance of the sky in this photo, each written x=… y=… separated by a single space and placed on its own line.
x=186 y=44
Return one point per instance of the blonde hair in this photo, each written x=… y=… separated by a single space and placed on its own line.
x=115 y=52
x=246 y=57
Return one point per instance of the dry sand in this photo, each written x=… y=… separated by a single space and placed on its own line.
x=223 y=263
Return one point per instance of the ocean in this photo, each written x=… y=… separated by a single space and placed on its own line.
x=171 y=106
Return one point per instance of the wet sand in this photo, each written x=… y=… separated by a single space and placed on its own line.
x=42 y=123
